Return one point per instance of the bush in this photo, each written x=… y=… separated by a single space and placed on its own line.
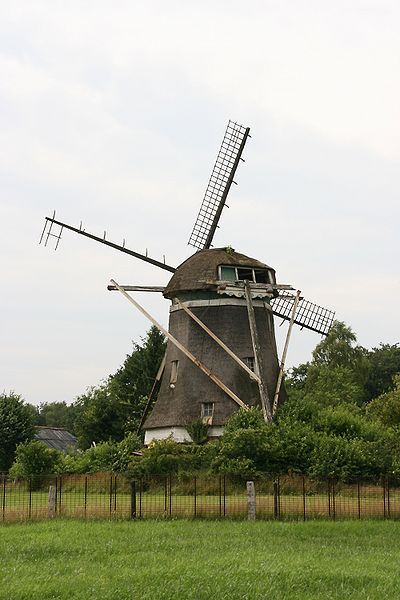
x=35 y=458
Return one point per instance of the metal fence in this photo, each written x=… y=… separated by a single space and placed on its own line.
x=106 y=495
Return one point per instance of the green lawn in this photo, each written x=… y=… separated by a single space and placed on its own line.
x=151 y=560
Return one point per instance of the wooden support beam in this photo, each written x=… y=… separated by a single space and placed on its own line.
x=296 y=301
x=265 y=402
x=185 y=351
x=137 y=288
x=153 y=389
x=191 y=314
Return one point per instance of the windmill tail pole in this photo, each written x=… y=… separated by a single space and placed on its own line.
x=285 y=350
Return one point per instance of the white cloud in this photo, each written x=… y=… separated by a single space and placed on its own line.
x=112 y=113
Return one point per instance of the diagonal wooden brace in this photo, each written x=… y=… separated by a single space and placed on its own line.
x=182 y=348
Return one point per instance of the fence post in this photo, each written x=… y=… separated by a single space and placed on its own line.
x=170 y=495
x=276 y=500
x=52 y=502
x=30 y=497
x=384 y=499
x=111 y=494
x=86 y=493
x=195 y=497
x=59 y=493
x=329 y=497
x=133 y=499
x=4 y=496
x=251 y=500
x=140 y=497
x=304 y=498
x=358 y=499
x=224 y=495
x=220 y=495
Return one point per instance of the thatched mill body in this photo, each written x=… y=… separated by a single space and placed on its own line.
x=221 y=351
x=207 y=285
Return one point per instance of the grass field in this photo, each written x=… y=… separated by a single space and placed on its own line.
x=153 y=560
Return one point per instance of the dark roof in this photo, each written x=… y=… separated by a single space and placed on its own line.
x=56 y=437
x=200 y=271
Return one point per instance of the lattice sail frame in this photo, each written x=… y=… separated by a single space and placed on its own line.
x=219 y=185
x=308 y=315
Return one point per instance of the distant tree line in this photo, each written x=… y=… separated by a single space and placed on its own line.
x=341 y=420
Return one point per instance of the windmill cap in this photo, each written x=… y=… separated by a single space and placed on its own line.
x=200 y=271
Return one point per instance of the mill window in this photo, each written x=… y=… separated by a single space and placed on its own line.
x=244 y=273
x=174 y=372
x=228 y=273
x=207 y=409
x=261 y=276
x=249 y=362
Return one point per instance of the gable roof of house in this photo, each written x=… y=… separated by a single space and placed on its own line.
x=56 y=437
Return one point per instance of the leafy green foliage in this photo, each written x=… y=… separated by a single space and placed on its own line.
x=383 y=364
x=16 y=426
x=198 y=431
x=57 y=414
x=386 y=408
x=105 y=456
x=100 y=416
x=338 y=348
x=114 y=409
x=35 y=458
x=167 y=457
x=132 y=383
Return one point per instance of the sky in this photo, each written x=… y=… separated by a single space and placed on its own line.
x=112 y=113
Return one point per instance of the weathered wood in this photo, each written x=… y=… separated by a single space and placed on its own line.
x=296 y=301
x=251 y=500
x=52 y=502
x=152 y=261
x=218 y=341
x=265 y=402
x=137 y=288
x=181 y=347
x=151 y=395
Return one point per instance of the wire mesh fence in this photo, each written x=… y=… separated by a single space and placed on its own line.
x=107 y=495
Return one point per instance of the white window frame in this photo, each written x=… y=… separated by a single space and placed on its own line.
x=252 y=269
x=204 y=413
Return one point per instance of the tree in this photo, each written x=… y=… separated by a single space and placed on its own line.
x=338 y=349
x=16 y=426
x=56 y=414
x=383 y=364
x=331 y=385
x=336 y=373
x=386 y=408
x=113 y=409
x=133 y=382
x=245 y=448
x=100 y=416
x=35 y=458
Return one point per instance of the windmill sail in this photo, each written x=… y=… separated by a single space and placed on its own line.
x=219 y=185
x=308 y=315
x=48 y=233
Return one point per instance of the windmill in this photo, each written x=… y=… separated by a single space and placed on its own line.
x=221 y=349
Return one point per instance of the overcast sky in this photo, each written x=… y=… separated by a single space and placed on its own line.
x=113 y=112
